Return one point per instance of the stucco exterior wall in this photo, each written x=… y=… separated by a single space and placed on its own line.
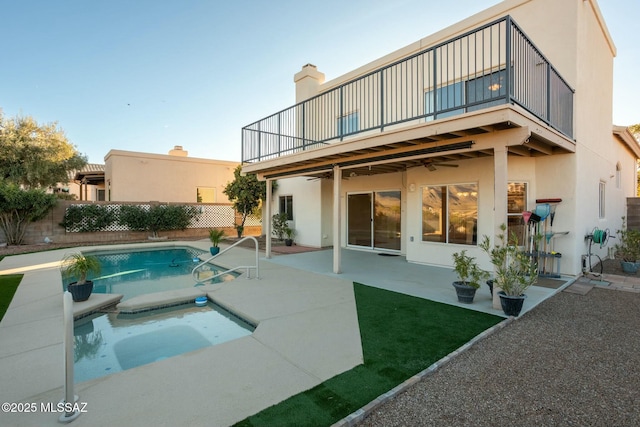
x=307 y=208
x=132 y=176
x=573 y=37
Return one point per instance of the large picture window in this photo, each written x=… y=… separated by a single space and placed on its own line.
x=450 y=214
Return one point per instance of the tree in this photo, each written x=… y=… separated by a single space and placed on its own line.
x=245 y=192
x=34 y=155
x=20 y=207
x=635 y=130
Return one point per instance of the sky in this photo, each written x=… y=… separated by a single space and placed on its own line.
x=146 y=75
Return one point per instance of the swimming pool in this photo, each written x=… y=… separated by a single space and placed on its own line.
x=137 y=272
x=106 y=343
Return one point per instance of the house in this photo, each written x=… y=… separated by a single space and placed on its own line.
x=175 y=177
x=427 y=149
x=84 y=184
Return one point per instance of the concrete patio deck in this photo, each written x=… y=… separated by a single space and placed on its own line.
x=307 y=333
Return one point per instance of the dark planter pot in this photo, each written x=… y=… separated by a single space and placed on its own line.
x=80 y=292
x=490 y=284
x=465 y=293
x=629 y=267
x=288 y=242
x=511 y=305
x=215 y=250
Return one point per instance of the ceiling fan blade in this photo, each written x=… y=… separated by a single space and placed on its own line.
x=446 y=165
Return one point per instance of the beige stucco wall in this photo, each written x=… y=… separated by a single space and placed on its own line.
x=132 y=176
x=573 y=36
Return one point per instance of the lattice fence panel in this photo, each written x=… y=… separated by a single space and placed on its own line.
x=214 y=216
x=211 y=216
x=253 y=221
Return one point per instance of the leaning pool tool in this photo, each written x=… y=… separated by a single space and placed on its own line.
x=553 y=203
x=69 y=398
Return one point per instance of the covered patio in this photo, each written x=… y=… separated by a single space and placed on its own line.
x=394 y=273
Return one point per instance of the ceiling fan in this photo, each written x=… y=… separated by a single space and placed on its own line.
x=432 y=165
x=327 y=175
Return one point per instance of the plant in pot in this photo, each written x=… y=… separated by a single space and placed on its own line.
x=215 y=235
x=290 y=233
x=78 y=267
x=514 y=270
x=469 y=276
x=279 y=224
x=628 y=250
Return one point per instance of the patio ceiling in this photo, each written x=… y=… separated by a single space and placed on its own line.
x=446 y=141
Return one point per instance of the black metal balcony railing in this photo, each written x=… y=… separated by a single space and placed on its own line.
x=492 y=65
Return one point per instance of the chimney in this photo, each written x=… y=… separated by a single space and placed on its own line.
x=308 y=81
x=178 y=151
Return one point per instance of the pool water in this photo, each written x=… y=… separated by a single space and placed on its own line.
x=138 y=272
x=106 y=343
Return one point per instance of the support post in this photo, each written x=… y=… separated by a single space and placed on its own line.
x=337 y=244
x=500 y=180
x=267 y=228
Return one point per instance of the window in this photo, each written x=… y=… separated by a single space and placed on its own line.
x=100 y=193
x=447 y=97
x=206 y=195
x=286 y=206
x=601 y=199
x=516 y=204
x=349 y=123
x=450 y=214
x=486 y=89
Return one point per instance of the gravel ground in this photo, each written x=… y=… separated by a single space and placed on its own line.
x=572 y=361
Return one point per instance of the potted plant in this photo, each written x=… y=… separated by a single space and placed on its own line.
x=78 y=266
x=469 y=276
x=290 y=233
x=279 y=225
x=514 y=270
x=215 y=235
x=629 y=248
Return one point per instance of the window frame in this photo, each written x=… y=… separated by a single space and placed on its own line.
x=602 y=192
x=348 y=123
x=511 y=215
x=285 y=205
x=445 y=210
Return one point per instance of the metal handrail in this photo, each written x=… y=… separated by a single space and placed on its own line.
x=247 y=267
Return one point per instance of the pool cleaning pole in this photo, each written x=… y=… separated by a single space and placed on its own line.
x=67 y=343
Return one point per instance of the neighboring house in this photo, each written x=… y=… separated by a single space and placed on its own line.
x=427 y=149
x=85 y=184
x=140 y=177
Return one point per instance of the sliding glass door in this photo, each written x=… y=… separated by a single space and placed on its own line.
x=373 y=220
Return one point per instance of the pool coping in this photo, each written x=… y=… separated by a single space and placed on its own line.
x=307 y=333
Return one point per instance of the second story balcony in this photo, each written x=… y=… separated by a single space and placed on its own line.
x=492 y=65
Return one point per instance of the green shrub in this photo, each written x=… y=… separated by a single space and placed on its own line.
x=279 y=225
x=158 y=217
x=88 y=218
x=19 y=208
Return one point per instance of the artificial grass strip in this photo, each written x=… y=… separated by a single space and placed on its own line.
x=401 y=336
x=8 y=286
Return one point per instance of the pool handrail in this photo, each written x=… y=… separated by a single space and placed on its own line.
x=247 y=267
